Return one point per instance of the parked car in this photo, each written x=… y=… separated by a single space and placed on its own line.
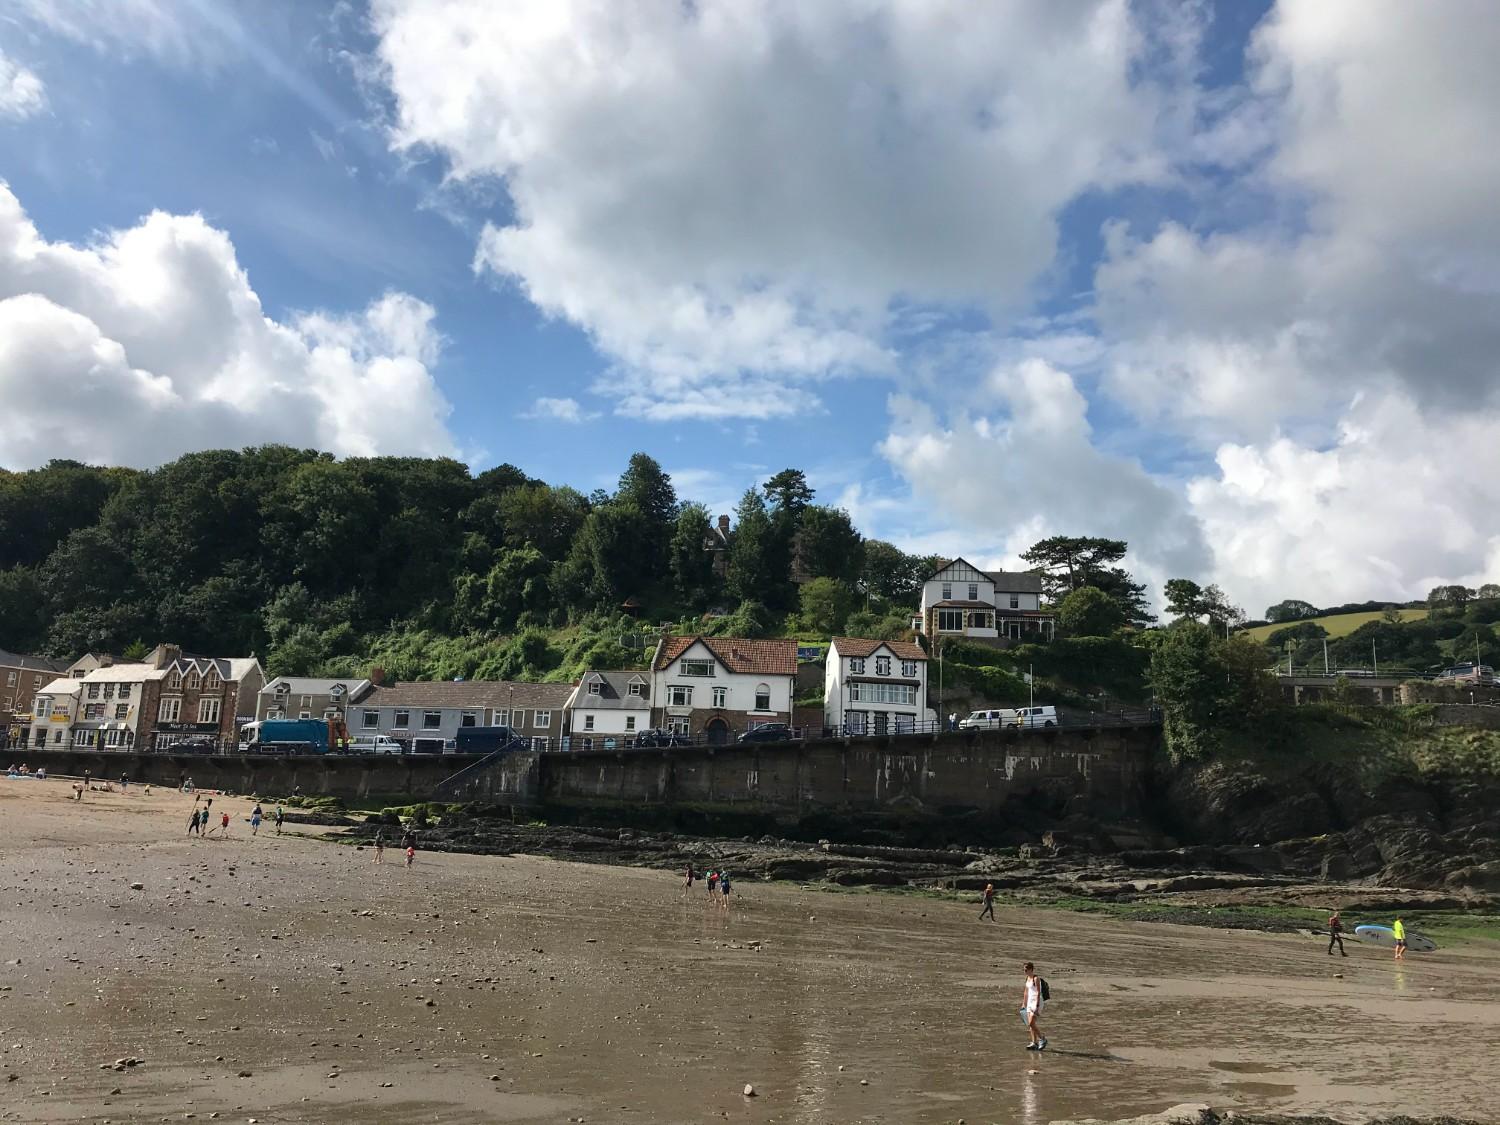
x=661 y=739
x=1469 y=673
x=768 y=732
x=193 y=746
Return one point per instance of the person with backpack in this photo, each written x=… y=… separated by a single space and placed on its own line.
x=1034 y=994
x=1335 y=933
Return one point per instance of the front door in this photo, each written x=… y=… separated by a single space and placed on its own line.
x=717 y=732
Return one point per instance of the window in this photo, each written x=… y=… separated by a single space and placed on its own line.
x=678 y=726
x=213 y=681
x=124 y=691
x=909 y=669
x=679 y=695
x=588 y=722
x=882 y=665
x=947 y=591
x=36 y=683
x=403 y=719
x=208 y=709
x=502 y=718
x=170 y=709
x=630 y=722
x=543 y=719
x=43 y=708
x=721 y=697
x=174 y=681
x=10 y=702
x=194 y=681
x=57 y=736
x=331 y=713
x=92 y=711
x=1015 y=601
x=950 y=620
x=432 y=720
x=122 y=710
x=305 y=701
x=468 y=719
x=93 y=691
x=596 y=687
x=637 y=688
x=112 y=738
x=903 y=694
x=973 y=591
x=83 y=738
x=697 y=668
x=109 y=691
x=857 y=665
x=275 y=713
x=10 y=679
x=520 y=717
x=762 y=697
x=304 y=714
x=370 y=720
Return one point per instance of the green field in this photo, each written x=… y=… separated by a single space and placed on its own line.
x=1339 y=625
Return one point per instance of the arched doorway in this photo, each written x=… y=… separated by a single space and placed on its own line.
x=717 y=732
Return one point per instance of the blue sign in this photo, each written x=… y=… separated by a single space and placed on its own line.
x=809 y=653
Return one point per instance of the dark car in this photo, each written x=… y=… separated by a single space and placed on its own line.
x=769 y=732
x=193 y=746
x=661 y=739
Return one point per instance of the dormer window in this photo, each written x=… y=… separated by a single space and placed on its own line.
x=882 y=665
x=857 y=665
x=596 y=686
x=283 y=688
x=697 y=668
x=336 y=691
x=174 y=681
x=213 y=681
x=637 y=687
x=193 y=680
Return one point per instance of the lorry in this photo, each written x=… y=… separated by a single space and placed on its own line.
x=295 y=736
x=487 y=740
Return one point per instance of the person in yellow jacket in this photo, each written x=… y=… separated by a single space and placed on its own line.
x=1399 y=932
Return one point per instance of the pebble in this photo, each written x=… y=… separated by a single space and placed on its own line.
x=137 y=886
x=749 y=1090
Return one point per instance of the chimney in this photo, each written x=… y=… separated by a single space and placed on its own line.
x=724 y=526
x=164 y=655
x=377 y=676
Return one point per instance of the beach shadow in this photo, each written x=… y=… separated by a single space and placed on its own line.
x=1092 y=1056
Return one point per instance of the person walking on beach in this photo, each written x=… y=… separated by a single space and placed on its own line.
x=1336 y=933
x=687 y=885
x=713 y=884
x=380 y=846
x=193 y=824
x=1032 y=999
x=280 y=816
x=1398 y=931
x=724 y=890
x=409 y=845
x=255 y=818
x=989 y=902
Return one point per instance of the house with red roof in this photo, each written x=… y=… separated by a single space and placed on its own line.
x=719 y=687
x=875 y=687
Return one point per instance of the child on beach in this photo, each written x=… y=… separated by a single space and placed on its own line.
x=411 y=854
x=724 y=890
x=1031 y=1007
x=380 y=847
x=1398 y=930
x=280 y=816
x=255 y=815
x=687 y=885
x=713 y=884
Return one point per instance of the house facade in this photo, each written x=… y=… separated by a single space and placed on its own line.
x=608 y=708
x=960 y=600
x=108 y=714
x=302 y=697
x=875 y=687
x=53 y=711
x=424 y=716
x=21 y=677
x=719 y=686
x=194 y=697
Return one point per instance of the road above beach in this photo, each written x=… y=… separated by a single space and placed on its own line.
x=293 y=980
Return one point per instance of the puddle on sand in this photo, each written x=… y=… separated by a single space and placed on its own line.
x=1261 y=1089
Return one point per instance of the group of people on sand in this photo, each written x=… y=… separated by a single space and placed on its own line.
x=1336 y=936
x=201 y=823
x=23 y=770
x=408 y=846
x=718 y=885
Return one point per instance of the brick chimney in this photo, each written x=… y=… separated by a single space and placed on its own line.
x=724 y=526
x=377 y=676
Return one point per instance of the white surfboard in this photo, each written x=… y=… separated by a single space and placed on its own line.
x=1384 y=935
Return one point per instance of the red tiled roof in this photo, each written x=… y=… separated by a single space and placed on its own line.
x=756 y=658
x=860 y=646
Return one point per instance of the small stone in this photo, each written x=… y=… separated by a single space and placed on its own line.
x=749 y=1090
x=137 y=886
x=864 y=1081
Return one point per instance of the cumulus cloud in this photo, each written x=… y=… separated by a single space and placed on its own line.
x=22 y=93
x=721 y=192
x=558 y=410
x=151 y=342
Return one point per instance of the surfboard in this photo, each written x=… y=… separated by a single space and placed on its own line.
x=1384 y=935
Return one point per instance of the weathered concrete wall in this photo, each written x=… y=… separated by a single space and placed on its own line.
x=412 y=776
x=1096 y=773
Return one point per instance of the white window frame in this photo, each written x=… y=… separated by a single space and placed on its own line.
x=882 y=665
x=856 y=665
x=596 y=687
x=305 y=701
x=93 y=691
x=542 y=719
x=174 y=680
x=193 y=681
x=370 y=720
x=638 y=688
x=588 y=722
x=124 y=691
x=951 y=614
x=401 y=720
x=947 y=591
x=10 y=679
x=762 y=691
x=630 y=722
x=43 y=707
x=1015 y=601
x=207 y=704
x=432 y=720
x=212 y=681
x=697 y=668
x=721 y=697
x=502 y=718
x=468 y=718
x=170 y=709
x=680 y=695
x=973 y=591
x=122 y=712
x=304 y=714
x=909 y=669
x=679 y=725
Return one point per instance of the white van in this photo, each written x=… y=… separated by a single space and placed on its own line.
x=375 y=744
x=983 y=720
x=1023 y=717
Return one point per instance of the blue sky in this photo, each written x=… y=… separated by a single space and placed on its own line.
x=1149 y=270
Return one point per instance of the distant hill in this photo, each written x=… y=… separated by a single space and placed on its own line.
x=1337 y=624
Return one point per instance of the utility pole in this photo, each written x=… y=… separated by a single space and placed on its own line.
x=1374 y=660
x=1031 y=678
x=1325 y=656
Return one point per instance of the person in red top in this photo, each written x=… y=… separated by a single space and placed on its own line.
x=1335 y=933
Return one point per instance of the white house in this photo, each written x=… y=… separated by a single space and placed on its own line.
x=608 y=707
x=875 y=687
x=717 y=686
x=53 y=713
x=960 y=600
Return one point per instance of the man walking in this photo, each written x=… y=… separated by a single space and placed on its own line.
x=989 y=902
x=1336 y=934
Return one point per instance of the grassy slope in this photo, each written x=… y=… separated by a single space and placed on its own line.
x=1339 y=625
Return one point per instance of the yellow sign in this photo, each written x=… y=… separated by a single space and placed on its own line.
x=61 y=718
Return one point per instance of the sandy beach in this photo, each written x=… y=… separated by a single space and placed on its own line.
x=288 y=979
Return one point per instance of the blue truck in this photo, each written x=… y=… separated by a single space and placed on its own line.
x=293 y=736
x=487 y=740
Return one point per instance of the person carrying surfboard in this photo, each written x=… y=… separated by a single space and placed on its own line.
x=1398 y=931
x=1335 y=933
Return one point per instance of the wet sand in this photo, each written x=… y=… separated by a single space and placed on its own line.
x=292 y=980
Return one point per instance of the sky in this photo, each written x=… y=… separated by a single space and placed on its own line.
x=1222 y=280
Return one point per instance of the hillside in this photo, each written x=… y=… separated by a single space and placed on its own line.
x=1337 y=624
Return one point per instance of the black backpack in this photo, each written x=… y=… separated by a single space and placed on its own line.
x=1046 y=992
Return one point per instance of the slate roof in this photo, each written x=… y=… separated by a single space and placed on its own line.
x=737 y=654
x=439 y=694
x=304 y=685
x=614 y=694
x=862 y=646
x=1015 y=581
x=30 y=663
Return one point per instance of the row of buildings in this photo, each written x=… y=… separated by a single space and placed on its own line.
x=713 y=688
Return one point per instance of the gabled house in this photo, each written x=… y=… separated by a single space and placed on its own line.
x=21 y=677
x=54 y=710
x=193 y=697
x=960 y=600
x=426 y=715
x=718 y=686
x=304 y=697
x=609 y=707
x=875 y=687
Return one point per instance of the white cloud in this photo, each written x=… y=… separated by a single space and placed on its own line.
x=162 y=28
x=723 y=192
x=558 y=410
x=22 y=93
x=151 y=342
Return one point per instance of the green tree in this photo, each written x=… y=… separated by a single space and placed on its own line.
x=1184 y=598
x=540 y=516
x=1392 y=615
x=1190 y=685
x=647 y=490
x=828 y=546
x=789 y=492
x=1448 y=597
x=1291 y=610
x=1490 y=590
x=890 y=574
x=1089 y=612
x=759 y=557
x=518 y=583
x=23 y=610
x=692 y=564
x=1070 y=562
x=825 y=606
